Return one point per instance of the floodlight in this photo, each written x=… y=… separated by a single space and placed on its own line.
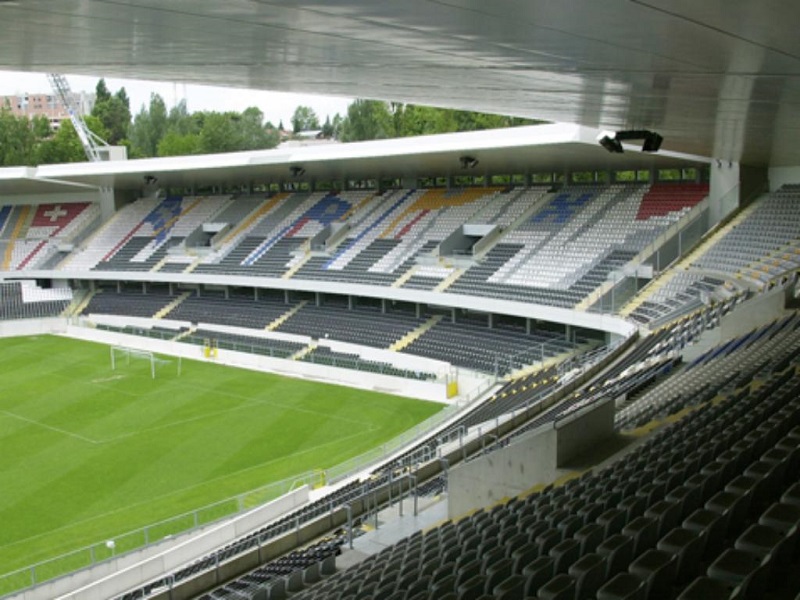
x=297 y=171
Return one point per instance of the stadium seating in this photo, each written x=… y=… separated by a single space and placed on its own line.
x=554 y=248
x=756 y=247
x=30 y=236
x=26 y=300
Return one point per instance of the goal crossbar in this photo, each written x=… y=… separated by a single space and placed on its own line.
x=126 y=353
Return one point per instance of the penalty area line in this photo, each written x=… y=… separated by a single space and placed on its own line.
x=50 y=427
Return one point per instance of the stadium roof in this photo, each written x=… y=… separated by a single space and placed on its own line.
x=720 y=79
x=544 y=148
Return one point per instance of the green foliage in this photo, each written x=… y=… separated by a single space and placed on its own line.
x=373 y=119
x=114 y=112
x=367 y=120
x=304 y=119
x=87 y=454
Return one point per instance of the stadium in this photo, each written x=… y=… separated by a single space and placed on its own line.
x=558 y=361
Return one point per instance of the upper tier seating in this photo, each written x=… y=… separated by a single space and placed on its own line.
x=570 y=245
x=554 y=248
x=30 y=235
x=759 y=245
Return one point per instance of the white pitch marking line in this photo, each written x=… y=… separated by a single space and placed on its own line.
x=50 y=427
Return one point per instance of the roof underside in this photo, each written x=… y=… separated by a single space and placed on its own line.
x=715 y=78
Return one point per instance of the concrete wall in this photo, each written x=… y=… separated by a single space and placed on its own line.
x=434 y=391
x=580 y=431
x=32 y=327
x=114 y=576
x=779 y=176
x=756 y=312
x=534 y=458
x=723 y=193
x=505 y=472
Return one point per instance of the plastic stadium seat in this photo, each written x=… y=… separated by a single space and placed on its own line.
x=687 y=548
x=537 y=573
x=666 y=513
x=497 y=572
x=560 y=587
x=510 y=588
x=564 y=554
x=471 y=589
x=711 y=526
x=705 y=588
x=623 y=586
x=590 y=536
x=589 y=573
x=737 y=567
x=618 y=552
x=644 y=532
x=612 y=520
x=658 y=570
x=524 y=555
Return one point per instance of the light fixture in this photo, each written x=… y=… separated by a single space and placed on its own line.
x=297 y=171
x=612 y=141
x=468 y=162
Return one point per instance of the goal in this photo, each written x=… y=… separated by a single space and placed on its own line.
x=122 y=355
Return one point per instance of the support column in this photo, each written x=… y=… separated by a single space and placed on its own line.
x=418 y=308
x=255 y=294
x=491 y=320
x=452 y=315
x=317 y=298
x=528 y=325
x=286 y=296
x=383 y=306
x=349 y=302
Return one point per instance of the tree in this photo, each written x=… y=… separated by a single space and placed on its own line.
x=177 y=144
x=327 y=128
x=367 y=120
x=65 y=146
x=149 y=127
x=304 y=119
x=17 y=139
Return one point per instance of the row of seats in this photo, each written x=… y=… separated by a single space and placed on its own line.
x=708 y=505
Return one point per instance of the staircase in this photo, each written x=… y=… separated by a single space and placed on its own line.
x=666 y=276
x=449 y=280
x=400 y=281
x=285 y=316
x=184 y=334
x=297 y=266
x=168 y=308
x=415 y=334
x=303 y=352
x=80 y=301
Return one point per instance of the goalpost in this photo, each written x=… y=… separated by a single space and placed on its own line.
x=123 y=353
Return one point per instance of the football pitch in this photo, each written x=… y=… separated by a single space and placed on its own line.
x=87 y=453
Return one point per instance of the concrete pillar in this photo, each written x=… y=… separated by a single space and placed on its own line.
x=528 y=325
x=418 y=310
x=491 y=320
x=227 y=293
x=317 y=298
x=286 y=296
x=349 y=303
x=383 y=305
x=144 y=287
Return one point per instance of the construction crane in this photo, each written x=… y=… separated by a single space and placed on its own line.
x=91 y=142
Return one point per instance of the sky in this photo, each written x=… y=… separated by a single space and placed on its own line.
x=276 y=106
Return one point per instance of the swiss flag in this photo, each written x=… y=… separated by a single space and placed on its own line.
x=57 y=215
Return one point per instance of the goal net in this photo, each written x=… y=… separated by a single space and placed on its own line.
x=124 y=356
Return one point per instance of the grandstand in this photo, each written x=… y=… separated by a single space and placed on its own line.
x=614 y=337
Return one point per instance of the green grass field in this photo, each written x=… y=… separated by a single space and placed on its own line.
x=87 y=453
